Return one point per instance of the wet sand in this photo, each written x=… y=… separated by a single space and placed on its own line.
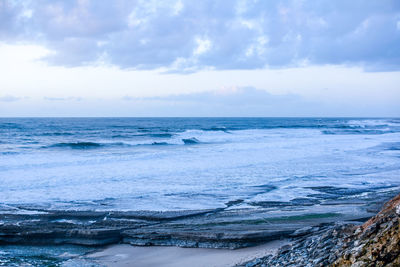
x=127 y=255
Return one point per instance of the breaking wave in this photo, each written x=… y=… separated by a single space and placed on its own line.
x=76 y=145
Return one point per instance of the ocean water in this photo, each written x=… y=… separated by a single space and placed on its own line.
x=192 y=163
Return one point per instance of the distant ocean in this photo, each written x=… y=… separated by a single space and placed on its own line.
x=192 y=163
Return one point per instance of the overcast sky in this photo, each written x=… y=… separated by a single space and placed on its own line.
x=200 y=58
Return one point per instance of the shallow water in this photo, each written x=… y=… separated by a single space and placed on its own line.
x=63 y=256
x=193 y=163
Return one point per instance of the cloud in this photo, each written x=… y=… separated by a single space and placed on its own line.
x=225 y=102
x=9 y=98
x=62 y=98
x=234 y=101
x=192 y=35
x=226 y=96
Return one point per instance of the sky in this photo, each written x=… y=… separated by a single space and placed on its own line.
x=200 y=58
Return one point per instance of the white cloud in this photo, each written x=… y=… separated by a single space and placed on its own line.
x=9 y=98
x=70 y=98
x=258 y=48
x=101 y=43
x=247 y=23
x=150 y=34
x=134 y=20
x=203 y=46
x=178 y=7
x=27 y=13
x=22 y=54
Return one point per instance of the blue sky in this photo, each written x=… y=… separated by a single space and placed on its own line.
x=200 y=58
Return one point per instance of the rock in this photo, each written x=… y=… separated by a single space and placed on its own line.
x=302 y=231
x=379 y=242
x=375 y=243
x=358 y=231
x=253 y=263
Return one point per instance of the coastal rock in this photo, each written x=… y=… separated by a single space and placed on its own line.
x=227 y=227
x=375 y=243
x=378 y=239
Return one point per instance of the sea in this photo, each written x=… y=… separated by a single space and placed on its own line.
x=173 y=164
x=190 y=163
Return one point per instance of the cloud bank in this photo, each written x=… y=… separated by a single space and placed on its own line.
x=233 y=101
x=226 y=102
x=9 y=98
x=187 y=36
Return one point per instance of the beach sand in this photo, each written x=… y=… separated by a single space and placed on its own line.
x=127 y=255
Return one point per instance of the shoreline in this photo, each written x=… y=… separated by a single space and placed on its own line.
x=192 y=236
x=230 y=227
x=376 y=241
x=167 y=256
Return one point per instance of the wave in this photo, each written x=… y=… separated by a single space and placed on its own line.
x=10 y=125
x=76 y=145
x=144 y=130
x=56 y=134
x=160 y=135
x=394 y=146
x=155 y=135
x=190 y=141
x=368 y=127
x=121 y=136
x=357 y=131
x=374 y=123
x=8 y=153
x=85 y=145
x=160 y=144
x=215 y=129
x=94 y=145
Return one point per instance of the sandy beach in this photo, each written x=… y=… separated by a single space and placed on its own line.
x=127 y=255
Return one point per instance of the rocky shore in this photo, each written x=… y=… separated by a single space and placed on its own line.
x=218 y=228
x=206 y=229
x=374 y=243
x=316 y=237
x=232 y=226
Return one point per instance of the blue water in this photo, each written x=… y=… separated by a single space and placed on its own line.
x=191 y=163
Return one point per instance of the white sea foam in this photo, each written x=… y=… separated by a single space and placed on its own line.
x=270 y=164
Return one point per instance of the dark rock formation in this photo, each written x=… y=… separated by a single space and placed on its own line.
x=215 y=228
x=375 y=243
x=238 y=224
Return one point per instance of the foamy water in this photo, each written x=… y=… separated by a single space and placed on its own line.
x=178 y=163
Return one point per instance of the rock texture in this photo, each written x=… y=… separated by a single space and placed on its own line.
x=236 y=225
x=374 y=243
x=377 y=242
x=215 y=228
x=317 y=240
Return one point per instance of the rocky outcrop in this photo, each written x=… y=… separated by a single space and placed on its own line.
x=236 y=225
x=207 y=228
x=374 y=243
x=227 y=227
x=316 y=239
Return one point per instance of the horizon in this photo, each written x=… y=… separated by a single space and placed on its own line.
x=194 y=117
